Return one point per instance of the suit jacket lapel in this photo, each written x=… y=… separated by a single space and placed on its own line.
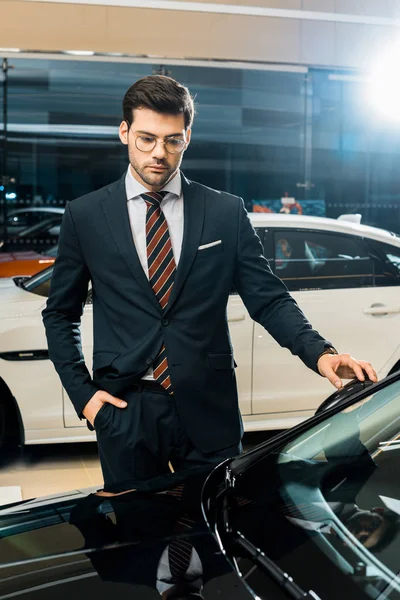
x=193 y=210
x=115 y=208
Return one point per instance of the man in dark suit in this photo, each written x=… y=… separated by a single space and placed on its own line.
x=160 y=540
x=162 y=254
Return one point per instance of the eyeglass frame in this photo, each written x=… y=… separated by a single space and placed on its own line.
x=156 y=141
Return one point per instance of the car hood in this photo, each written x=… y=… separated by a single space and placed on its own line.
x=81 y=545
x=15 y=301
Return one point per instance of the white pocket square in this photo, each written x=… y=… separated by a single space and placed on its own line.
x=209 y=245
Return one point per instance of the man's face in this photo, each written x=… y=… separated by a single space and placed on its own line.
x=153 y=168
x=368 y=527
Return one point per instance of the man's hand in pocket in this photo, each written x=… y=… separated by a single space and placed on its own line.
x=96 y=402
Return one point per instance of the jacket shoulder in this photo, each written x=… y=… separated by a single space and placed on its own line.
x=217 y=195
x=88 y=201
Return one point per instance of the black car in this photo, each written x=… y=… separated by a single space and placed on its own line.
x=312 y=513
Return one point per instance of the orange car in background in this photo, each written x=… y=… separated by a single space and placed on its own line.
x=31 y=249
x=29 y=262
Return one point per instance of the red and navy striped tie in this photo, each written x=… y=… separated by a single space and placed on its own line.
x=162 y=268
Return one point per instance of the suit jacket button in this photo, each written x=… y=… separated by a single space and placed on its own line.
x=149 y=361
x=165 y=322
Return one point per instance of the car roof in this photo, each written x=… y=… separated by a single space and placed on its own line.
x=324 y=223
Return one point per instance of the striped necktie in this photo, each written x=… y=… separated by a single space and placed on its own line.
x=162 y=268
x=180 y=549
x=179 y=556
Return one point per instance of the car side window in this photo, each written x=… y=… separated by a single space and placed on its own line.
x=268 y=244
x=307 y=260
x=387 y=263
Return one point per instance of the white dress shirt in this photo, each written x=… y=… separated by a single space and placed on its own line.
x=172 y=207
x=194 y=573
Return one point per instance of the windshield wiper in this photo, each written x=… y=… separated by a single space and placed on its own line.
x=257 y=556
x=282 y=579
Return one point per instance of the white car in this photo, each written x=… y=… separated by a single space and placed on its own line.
x=345 y=277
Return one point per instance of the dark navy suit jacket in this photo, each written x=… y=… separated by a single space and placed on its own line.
x=129 y=325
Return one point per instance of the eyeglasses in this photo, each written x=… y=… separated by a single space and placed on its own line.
x=147 y=143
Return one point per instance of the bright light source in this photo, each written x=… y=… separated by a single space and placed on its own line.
x=79 y=52
x=383 y=87
x=11 y=196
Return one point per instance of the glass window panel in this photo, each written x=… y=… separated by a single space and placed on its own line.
x=247 y=139
x=355 y=155
x=387 y=263
x=64 y=143
x=260 y=134
x=320 y=260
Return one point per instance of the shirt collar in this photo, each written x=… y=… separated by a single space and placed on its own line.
x=134 y=189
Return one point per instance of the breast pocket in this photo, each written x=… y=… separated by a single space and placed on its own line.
x=210 y=251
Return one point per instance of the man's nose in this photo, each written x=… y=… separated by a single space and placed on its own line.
x=362 y=532
x=159 y=151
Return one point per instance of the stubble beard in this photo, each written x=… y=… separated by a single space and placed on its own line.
x=154 y=179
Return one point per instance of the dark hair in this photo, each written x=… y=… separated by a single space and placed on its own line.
x=161 y=94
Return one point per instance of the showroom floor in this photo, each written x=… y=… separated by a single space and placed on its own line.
x=49 y=469
x=45 y=470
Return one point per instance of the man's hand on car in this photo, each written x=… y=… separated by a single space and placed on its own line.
x=337 y=366
x=96 y=402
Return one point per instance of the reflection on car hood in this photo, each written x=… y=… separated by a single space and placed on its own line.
x=82 y=545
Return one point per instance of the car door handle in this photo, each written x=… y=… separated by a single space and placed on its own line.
x=236 y=318
x=381 y=309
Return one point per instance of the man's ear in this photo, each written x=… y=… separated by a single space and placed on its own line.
x=123 y=132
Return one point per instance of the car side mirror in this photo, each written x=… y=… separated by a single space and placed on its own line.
x=354 y=386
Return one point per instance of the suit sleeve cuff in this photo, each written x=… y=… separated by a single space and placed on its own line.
x=328 y=350
x=84 y=398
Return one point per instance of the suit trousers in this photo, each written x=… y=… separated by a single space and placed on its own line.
x=137 y=444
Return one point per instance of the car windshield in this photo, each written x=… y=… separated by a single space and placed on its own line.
x=40 y=283
x=325 y=507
